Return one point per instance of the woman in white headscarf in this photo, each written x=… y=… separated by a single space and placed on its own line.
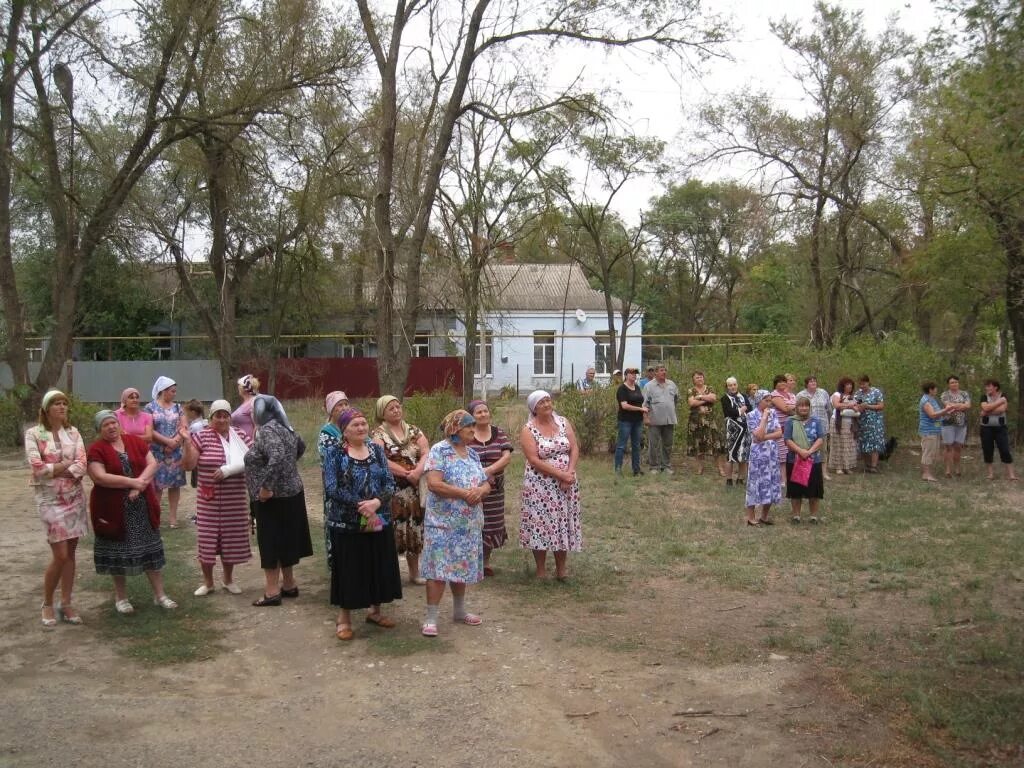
x=170 y=431
x=550 y=510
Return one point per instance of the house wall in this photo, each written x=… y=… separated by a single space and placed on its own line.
x=574 y=348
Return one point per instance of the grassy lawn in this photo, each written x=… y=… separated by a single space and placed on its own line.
x=908 y=597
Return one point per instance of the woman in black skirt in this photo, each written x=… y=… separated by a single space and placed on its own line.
x=272 y=476
x=358 y=486
x=805 y=438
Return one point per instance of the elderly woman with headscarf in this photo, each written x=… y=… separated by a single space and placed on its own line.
x=125 y=511
x=764 y=483
x=131 y=416
x=406 y=448
x=242 y=418
x=494 y=448
x=222 y=504
x=736 y=406
x=360 y=546
x=550 y=504
x=272 y=474
x=454 y=521
x=170 y=431
x=334 y=404
x=56 y=455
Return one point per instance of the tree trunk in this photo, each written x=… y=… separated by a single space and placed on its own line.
x=1011 y=235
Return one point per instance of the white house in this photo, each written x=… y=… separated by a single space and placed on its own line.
x=542 y=325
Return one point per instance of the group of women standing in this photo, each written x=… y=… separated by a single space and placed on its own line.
x=388 y=492
x=140 y=452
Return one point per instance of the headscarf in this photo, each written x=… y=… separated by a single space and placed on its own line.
x=474 y=404
x=267 y=408
x=534 y=398
x=50 y=396
x=126 y=392
x=332 y=399
x=382 y=403
x=760 y=395
x=455 y=421
x=246 y=384
x=220 y=405
x=347 y=416
x=102 y=416
x=162 y=383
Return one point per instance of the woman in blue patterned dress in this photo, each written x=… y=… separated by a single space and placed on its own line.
x=871 y=437
x=170 y=431
x=764 y=483
x=453 y=550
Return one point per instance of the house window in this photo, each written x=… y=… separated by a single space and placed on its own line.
x=35 y=354
x=293 y=351
x=421 y=345
x=161 y=346
x=543 y=353
x=485 y=353
x=346 y=350
x=603 y=354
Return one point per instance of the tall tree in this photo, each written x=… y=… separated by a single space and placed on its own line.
x=454 y=45
x=608 y=250
x=976 y=124
x=828 y=157
x=257 y=185
x=116 y=144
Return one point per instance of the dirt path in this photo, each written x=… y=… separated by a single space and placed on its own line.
x=510 y=693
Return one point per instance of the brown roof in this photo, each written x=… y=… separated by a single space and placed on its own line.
x=541 y=287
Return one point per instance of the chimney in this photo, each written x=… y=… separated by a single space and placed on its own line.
x=506 y=252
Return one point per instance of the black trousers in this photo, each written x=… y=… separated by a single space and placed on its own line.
x=996 y=437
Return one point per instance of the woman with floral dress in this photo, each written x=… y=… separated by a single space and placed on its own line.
x=764 y=482
x=406 y=447
x=495 y=451
x=56 y=455
x=842 y=458
x=871 y=437
x=705 y=435
x=550 y=506
x=170 y=431
x=454 y=520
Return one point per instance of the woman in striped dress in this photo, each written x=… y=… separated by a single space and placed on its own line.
x=494 y=448
x=222 y=502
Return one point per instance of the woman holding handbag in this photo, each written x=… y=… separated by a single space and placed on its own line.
x=358 y=487
x=805 y=437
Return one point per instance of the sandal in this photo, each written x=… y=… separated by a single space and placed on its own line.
x=429 y=630
x=343 y=632
x=165 y=602
x=470 y=620
x=124 y=607
x=293 y=592
x=265 y=601
x=51 y=622
x=488 y=570
x=754 y=523
x=380 y=620
x=72 y=618
x=419 y=581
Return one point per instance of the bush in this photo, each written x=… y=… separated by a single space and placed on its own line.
x=593 y=416
x=896 y=365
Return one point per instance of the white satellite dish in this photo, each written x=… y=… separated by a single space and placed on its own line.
x=581 y=316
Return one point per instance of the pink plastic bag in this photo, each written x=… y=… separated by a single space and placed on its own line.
x=801 y=472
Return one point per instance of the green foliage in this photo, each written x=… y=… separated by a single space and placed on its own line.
x=896 y=365
x=593 y=416
x=428 y=411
